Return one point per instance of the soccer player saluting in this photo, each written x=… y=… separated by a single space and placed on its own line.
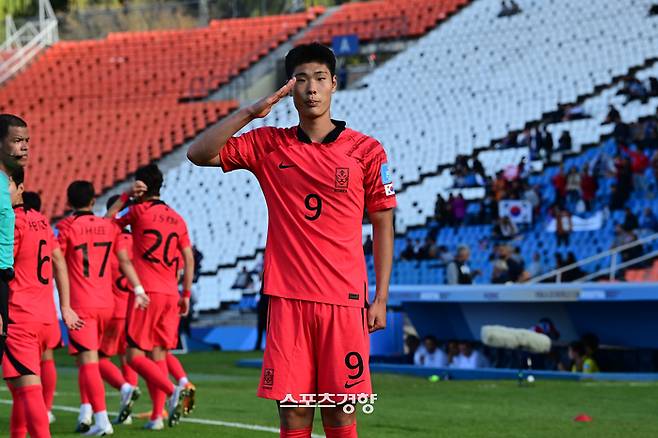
x=87 y=242
x=158 y=233
x=32 y=313
x=317 y=178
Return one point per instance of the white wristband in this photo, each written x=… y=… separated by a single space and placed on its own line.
x=139 y=290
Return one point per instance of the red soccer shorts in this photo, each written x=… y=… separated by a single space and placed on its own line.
x=51 y=336
x=314 y=348
x=88 y=338
x=157 y=326
x=23 y=350
x=114 y=338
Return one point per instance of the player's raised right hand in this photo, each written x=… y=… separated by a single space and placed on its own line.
x=263 y=107
x=71 y=319
x=138 y=189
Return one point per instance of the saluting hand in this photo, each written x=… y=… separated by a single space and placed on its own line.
x=263 y=107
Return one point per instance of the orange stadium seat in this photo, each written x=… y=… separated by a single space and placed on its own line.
x=99 y=109
x=384 y=19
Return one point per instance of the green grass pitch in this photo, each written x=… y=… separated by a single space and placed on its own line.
x=407 y=406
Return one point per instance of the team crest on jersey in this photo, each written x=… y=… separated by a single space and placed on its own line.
x=342 y=179
x=387 y=180
x=268 y=377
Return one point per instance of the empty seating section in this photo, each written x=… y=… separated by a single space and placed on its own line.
x=384 y=19
x=463 y=85
x=99 y=109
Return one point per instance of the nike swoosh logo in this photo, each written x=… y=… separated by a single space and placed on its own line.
x=350 y=385
x=286 y=166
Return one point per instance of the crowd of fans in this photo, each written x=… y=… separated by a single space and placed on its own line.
x=575 y=192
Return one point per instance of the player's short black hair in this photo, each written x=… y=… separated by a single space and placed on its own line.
x=80 y=194
x=31 y=201
x=7 y=121
x=314 y=52
x=152 y=177
x=17 y=175
x=111 y=200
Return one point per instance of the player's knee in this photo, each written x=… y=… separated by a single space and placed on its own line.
x=294 y=418
x=337 y=417
x=86 y=357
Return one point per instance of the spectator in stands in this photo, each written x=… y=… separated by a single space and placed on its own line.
x=588 y=188
x=617 y=198
x=621 y=237
x=368 y=245
x=431 y=355
x=564 y=227
x=631 y=222
x=572 y=274
x=560 y=185
x=409 y=251
x=499 y=186
x=428 y=250
x=468 y=358
x=564 y=142
x=459 y=271
x=634 y=251
x=536 y=267
x=573 y=185
x=531 y=194
x=412 y=344
x=508 y=229
x=654 y=166
x=488 y=209
x=624 y=177
x=477 y=166
x=648 y=221
x=458 y=209
x=548 y=143
x=244 y=280
x=444 y=255
x=441 y=211
x=500 y=274
x=613 y=115
x=639 y=163
x=580 y=362
x=515 y=264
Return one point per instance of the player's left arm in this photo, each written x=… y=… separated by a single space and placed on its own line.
x=71 y=319
x=188 y=277
x=383 y=238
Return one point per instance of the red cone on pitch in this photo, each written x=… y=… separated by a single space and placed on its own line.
x=583 y=418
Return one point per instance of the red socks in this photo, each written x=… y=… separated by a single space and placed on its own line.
x=295 y=433
x=158 y=398
x=129 y=374
x=341 y=431
x=175 y=367
x=152 y=373
x=18 y=422
x=82 y=386
x=48 y=382
x=31 y=397
x=90 y=373
x=111 y=373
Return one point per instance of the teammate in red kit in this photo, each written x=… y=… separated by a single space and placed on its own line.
x=32 y=313
x=317 y=178
x=113 y=342
x=87 y=242
x=158 y=233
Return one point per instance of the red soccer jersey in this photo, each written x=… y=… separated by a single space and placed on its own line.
x=158 y=233
x=316 y=194
x=121 y=287
x=88 y=242
x=31 y=290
